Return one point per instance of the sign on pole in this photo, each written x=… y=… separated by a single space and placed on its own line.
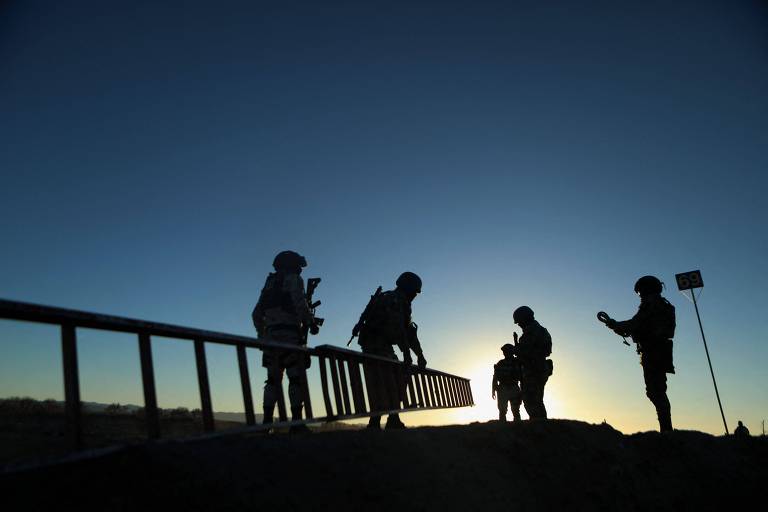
x=690 y=281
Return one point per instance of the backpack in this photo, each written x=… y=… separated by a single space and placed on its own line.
x=547 y=343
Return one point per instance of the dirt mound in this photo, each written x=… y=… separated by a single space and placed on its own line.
x=549 y=465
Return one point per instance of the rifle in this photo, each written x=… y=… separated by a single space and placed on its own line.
x=363 y=316
x=314 y=325
x=603 y=317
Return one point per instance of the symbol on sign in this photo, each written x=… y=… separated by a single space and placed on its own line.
x=689 y=280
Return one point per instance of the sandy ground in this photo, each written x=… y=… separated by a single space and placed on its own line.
x=550 y=465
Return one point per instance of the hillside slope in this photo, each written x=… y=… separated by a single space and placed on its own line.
x=551 y=465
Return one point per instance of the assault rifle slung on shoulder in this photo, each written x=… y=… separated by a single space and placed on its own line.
x=363 y=316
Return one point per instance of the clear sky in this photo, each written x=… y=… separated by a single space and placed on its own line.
x=155 y=158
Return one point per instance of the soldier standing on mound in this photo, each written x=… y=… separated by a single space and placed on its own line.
x=506 y=379
x=280 y=315
x=532 y=351
x=652 y=329
x=386 y=321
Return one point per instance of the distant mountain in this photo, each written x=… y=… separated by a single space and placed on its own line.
x=98 y=407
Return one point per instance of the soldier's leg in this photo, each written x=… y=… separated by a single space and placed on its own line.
x=394 y=383
x=371 y=373
x=296 y=376
x=540 y=397
x=532 y=394
x=276 y=362
x=655 y=378
x=502 y=398
x=515 y=402
x=274 y=379
x=527 y=396
x=393 y=420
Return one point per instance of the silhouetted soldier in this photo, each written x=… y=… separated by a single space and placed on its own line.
x=386 y=321
x=506 y=384
x=741 y=431
x=652 y=329
x=532 y=350
x=280 y=315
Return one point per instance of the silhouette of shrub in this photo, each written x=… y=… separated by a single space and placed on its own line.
x=29 y=406
x=179 y=413
x=114 y=409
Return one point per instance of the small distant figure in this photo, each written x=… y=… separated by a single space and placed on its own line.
x=282 y=314
x=506 y=383
x=652 y=329
x=386 y=321
x=741 y=431
x=533 y=349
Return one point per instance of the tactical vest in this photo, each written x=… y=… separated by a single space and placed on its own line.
x=660 y=324
x=275 y=296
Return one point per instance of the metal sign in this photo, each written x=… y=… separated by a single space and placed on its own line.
x=689 y=280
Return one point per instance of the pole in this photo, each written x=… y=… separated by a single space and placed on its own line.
x=719 y=403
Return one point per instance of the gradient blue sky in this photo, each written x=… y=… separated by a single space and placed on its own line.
x=155 y=158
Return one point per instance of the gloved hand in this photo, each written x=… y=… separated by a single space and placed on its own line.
x=314 y=329
x=421 y=361
x=407 y=358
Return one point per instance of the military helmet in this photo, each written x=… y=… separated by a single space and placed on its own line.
x=647 y=285
x=409 y=282
x=522 y=314
x=289 y=260
x=507 y=347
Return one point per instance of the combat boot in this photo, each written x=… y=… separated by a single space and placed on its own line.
x=394 y=422
x=268 y=419
x=299 y=429
x=374 y=423
x=296 y=416
x=268 y=416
